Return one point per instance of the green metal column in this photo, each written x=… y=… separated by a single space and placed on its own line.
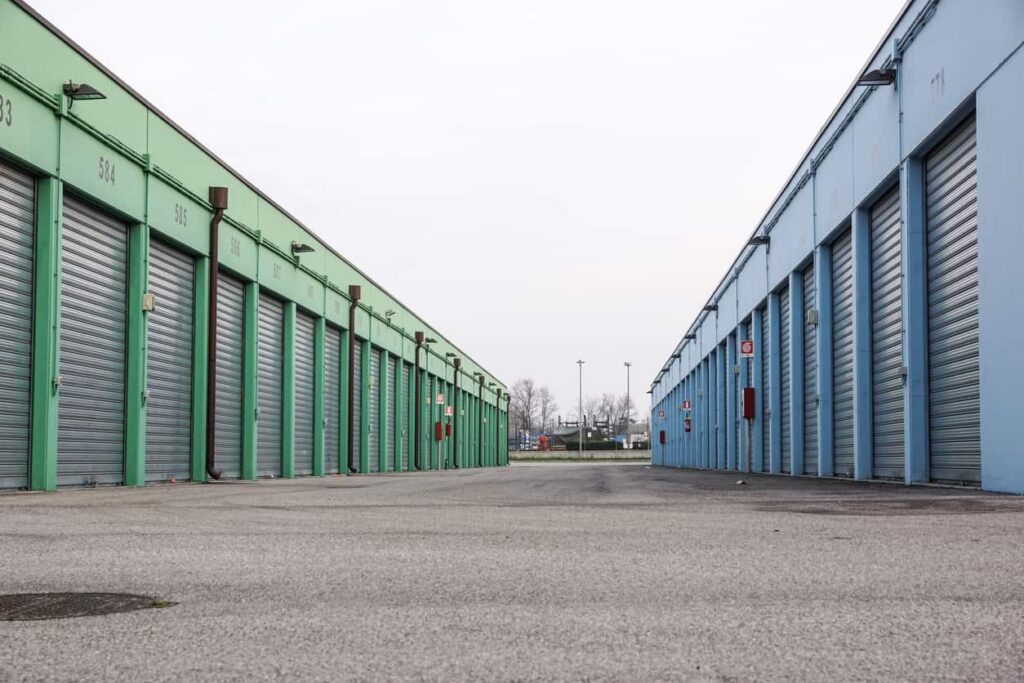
x=200 y=370
x=45 y=336
x=135 y=361
x=343 y=405
x=320 y=331
x=288 y=394
x=399 y=405
x=382 y=413
x=364 y=410
x=249 y=379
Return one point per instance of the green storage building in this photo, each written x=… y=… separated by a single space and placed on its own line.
x=161 y=319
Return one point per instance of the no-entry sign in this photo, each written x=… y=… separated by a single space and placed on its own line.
x=661 y=413
x=746 y=348
x=448 y=411
x=440 y=399
x=686 y=404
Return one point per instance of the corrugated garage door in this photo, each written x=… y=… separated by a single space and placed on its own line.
x=305 y=368
x=332 y=399
x=230 y=338
x=357 y=402
x=17 y=217
x=764 y=344
x=810 y=376
x=407 y=407
x=737 y=411
x=90 y=439
x=169 y=365
x=886 y=339
x=392 y=394
x=842 y=355
x=954 y=398
x=373 y=441
x=271 y=364
x=785 y=361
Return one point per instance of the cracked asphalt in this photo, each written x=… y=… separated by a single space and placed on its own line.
x=553 y=571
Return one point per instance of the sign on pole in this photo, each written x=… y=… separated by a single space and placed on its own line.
x=746 y=348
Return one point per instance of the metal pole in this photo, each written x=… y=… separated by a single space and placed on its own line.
x=628 y=366
x=580 y=444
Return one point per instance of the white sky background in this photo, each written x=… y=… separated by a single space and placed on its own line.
x=595 y=165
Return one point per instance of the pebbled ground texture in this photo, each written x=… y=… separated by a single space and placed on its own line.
x=554 y=571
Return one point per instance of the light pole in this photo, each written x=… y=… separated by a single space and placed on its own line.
x=580 y=363
x=628 y=366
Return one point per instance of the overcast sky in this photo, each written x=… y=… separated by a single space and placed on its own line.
x=595 y=165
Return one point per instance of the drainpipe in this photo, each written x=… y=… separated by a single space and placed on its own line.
x=419 y=405
x=480 y=427
x=455 y=421
x=497 y=429
x=354 y=294
x=219 y=202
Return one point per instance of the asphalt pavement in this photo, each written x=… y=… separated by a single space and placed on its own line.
x=554 y=571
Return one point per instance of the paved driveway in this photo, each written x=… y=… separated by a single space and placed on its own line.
x=547 y=572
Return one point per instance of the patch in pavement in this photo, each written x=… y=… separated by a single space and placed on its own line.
x=41 y=606
x=889 y=506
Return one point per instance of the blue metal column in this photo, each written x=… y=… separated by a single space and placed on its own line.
x=796 y=372
x=730 y=401
x=823 y=285
x=743 y=444
x=713 y=409
x=760 y=447
x=861 y=246
x=915 y=320
x=721 y=422
x=775 y=400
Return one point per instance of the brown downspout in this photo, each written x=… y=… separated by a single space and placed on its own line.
x=455 y=421
x=419 y=404
x=497 y=429
x=355 y=292
x=480 y=427
x=219 y=202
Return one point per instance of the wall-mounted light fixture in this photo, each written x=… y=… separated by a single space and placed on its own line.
x=81 y=91
x=301 y=248
x=711 y=308
x=759 y=241
x=885 y=76
x=430 y=340
x=690 y=337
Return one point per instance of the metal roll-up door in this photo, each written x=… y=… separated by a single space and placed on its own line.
x=407 y=406
x=169 y=365
x=270 y=380
x=230 y=340
x=373 y=440
x=842 y=355
x=886 y=339
x=954 y=397
x=332 y=399
x=810 y=406
x=17 y=218
x=305 y=369
x=737 y=410
x=764 y=344
x=93 y=323
x=785 y=360
x=392 y=395
x=357 y=402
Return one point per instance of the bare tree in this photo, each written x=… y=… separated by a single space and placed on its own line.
x=524 y=403
x=626 y=411
x=591 y=408
x=546 y=405
x=606 y=411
